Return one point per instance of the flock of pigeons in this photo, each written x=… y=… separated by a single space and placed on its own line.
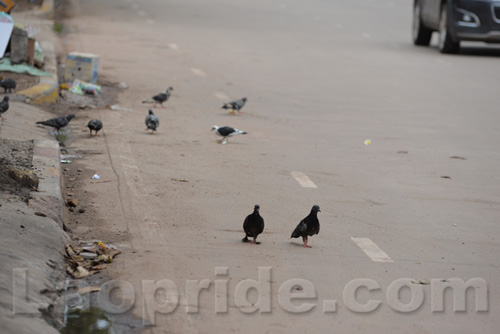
x=254 y=223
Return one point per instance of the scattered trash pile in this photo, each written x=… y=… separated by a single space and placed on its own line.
x=80 y=87
x=89 y=258
x=80 y=73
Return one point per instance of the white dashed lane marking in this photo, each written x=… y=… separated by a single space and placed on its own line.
x=372 y=250
x=198 y=72
x=303 y=180
x=221 y=96
x=173 y=46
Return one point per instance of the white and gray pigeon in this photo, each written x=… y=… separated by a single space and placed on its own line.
x=4 y=106
x=308 y=226
x=152 y=121
x=58 y=122
x=94 y=124
x=160 y=98
x=235 y=106
x=226 y=131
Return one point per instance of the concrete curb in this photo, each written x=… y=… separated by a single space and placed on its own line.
x=48 y=199
x=47 y=90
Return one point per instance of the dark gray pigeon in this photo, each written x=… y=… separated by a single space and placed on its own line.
x=4 y=106
x=235 y=106
x=152 y=121
x=58 y=122
x=160 y=98
x=226 y=131
x=253 y=225
x=94 y=124
x=309 y=226
x=8 y=85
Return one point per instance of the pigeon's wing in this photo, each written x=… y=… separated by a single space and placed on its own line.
x=61 y=122
x=152 y=122
x=155 y=119
x=239 y=103
x=95 y=124
x=225 y=131
x=299 y=230
x=57 y=123
x=160 y=97
x=4 y=106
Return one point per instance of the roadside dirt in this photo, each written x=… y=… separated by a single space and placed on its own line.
x=14 y=154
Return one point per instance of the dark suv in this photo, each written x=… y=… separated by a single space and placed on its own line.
x=456 y=20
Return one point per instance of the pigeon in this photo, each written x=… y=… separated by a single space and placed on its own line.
x=235 y=106
x=226 y=131
x=152 y=121
x=58 y=122
x=309 y=226
x=94 y=124
x=8 y=85
x=4 y=106
x=253 y=225
x=160 y=98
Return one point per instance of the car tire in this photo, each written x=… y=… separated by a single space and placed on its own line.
x=421 y=35
x=446 y=42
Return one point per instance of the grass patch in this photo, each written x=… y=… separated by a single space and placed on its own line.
x=58 y=27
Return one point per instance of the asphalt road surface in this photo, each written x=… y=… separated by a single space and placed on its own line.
x=415 y=210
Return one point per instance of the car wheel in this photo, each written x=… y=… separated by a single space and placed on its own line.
x=446 y=42
x=421 y=34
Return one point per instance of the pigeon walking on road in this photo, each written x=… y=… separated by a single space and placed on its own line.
x=160 y=98
x=94 y=124
x=226 y=131
x=8 y=85
x=309 y=226
x=253 y=225
x=4 y=106
x=58 y=122
x=235 y=106
x=152 y=121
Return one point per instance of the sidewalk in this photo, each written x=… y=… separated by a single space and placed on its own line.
x=32 y=239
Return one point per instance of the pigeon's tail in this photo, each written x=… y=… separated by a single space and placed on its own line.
x=295 y=233
x=239 y=132
x=152 y=125
x=44 y=123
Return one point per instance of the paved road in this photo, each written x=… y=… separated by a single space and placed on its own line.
x=321 y=78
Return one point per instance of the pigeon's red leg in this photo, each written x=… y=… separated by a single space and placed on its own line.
x=305 y=243
x=90 y=132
